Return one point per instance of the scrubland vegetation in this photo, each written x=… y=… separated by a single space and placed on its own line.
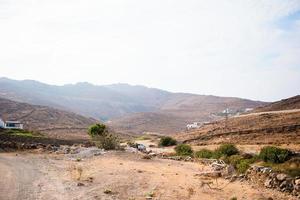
x=278 y=159
x=102 y=138
x=167 y=141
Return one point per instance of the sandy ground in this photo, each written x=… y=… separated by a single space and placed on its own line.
x=122 y=175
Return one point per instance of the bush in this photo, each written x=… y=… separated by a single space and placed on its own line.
x=102 y=138
x=291 y=167
x=234 y=160
x=227 y=150
x=107 y=142
x=274 y=154
x=167 y=141
x=240 y=163
x=184 y=150
x=243 y=165
x=204 y=153
x=97 y=130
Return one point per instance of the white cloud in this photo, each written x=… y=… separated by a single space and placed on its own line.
x=225 y=48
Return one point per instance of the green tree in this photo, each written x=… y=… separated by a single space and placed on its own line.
x=102 y=138
x=97 y=130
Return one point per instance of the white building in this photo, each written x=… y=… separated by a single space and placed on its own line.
x=13 y=125
x=193 y=125
x=10 y=124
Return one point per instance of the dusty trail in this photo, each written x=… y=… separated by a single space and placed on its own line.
x=124 y=175
x=17 y=178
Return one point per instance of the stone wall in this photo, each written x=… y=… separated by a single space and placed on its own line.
x=266 y=177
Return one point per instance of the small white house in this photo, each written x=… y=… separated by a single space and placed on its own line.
x=13 y=125
x=10 y=124
x=193 y=125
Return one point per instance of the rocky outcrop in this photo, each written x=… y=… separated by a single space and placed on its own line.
x=267 y=177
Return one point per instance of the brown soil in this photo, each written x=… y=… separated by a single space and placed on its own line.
x=276 y=127
x=115 y=175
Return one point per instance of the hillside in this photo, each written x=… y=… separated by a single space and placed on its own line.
x=150 y=109
x=50 y=122
x=176 y=113
x=100 y=102
x=285 y=104
x=265 y=125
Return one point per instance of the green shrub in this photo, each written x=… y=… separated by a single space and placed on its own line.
x=234 y=160
x=183 y=150
x=167 y=141
x=102 y=138
x=204 y=153
x=107 y=142
x=274 y=154
x=240 y=163
x=227 y=150
x=290 y=167
x=97 y=130
x=243 y=165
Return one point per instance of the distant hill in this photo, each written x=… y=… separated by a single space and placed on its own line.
x=177 y=112
x=130 y=109
x=284 y=104
x=275 y=123
x=100 y=102
x=51 y=122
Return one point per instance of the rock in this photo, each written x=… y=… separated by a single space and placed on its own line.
x=147 y=157
x=287 y=185
x=141 y=147
x=281 y=177
x=152 y=154
x=297 y=182
x=233 y=178
x=229 y=170
x=188 y=158
x=80 y=184
x=268 y=183
x=266 y=170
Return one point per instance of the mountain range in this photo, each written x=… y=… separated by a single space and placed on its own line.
x=127 y=108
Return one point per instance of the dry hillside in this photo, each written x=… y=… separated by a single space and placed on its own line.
x=285 y=104
x=258 y=128
x=177 y=112
x=112 y=102
x=51 y=122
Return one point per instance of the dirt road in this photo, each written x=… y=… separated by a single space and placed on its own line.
x=115 y=175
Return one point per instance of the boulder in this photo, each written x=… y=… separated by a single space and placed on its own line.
x=297 y=182
x=268 y=183
x=281 y=177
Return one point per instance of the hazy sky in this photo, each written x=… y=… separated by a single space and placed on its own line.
x=243 y=48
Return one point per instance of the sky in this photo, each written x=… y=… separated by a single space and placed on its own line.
x=248 y=48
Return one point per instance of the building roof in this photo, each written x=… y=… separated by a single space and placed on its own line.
x=13 y=122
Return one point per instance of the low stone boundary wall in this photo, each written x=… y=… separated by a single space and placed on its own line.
x=268 y=178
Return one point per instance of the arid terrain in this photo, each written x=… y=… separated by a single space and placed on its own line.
x=274 y=127
x=127 y=108
x=115 y=175
x=51 y=122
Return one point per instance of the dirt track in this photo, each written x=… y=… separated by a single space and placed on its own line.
x=126 y=175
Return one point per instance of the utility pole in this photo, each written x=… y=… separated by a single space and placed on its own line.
x=226 y=117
